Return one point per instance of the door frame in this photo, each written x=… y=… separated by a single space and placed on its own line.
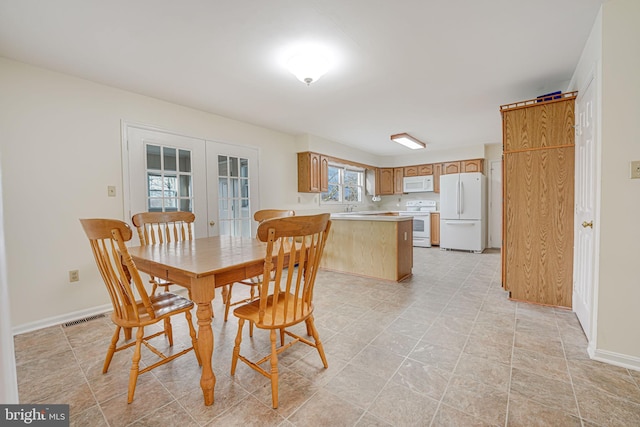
x=493 y=210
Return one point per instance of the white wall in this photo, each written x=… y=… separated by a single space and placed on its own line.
x=619 y=269
x=611 y=53
x=60 y=140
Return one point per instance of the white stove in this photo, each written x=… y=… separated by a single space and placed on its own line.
x=420 y=210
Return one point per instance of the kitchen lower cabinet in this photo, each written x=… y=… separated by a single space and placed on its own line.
x=435 y=228
x=377 y=247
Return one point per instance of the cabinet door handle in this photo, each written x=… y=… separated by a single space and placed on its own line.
x=586 y=224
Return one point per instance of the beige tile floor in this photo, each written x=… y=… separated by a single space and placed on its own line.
x=445 y=348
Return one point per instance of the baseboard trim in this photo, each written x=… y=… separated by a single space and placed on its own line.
x=617 y=359
x=63 y=318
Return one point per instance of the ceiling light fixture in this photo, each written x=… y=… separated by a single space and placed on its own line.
x=408 y=141
x=308 y=67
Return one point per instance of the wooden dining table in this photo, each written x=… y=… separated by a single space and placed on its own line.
x=203 y=265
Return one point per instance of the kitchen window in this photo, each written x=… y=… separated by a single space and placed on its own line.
x=346 y=185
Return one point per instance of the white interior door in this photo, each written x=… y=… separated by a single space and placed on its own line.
x=585 y=200
x=495 y=204
x=165 y=172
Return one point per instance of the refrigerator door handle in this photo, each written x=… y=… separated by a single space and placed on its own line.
x=461 y=198
x=458 y=197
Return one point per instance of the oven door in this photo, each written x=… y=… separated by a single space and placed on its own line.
x=421 y=228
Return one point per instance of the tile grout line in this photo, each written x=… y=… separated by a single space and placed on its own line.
x=444 y=393
x=84 y=375
x=573 y=388
x=405 y=358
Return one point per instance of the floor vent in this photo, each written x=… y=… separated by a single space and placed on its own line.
x=86 y=319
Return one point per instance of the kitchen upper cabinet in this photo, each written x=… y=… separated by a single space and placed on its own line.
x=425 y=170
x=435 y=228
x=313 y=173
x=450 y=167
x=386 y=185
x=398 y=175
x=390 y=181
x=419 y=170
x=538 y=194
x=475 y=165
x=411 y=171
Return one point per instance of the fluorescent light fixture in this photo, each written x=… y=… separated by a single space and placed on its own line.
x=408 y=141
x=308 y=67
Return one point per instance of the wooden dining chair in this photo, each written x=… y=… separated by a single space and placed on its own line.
x=254 y=282
x=163 y=227
x=294 y=249
x=107 y=238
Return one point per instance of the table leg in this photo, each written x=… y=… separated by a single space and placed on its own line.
x=203 y=293
x=205 y=347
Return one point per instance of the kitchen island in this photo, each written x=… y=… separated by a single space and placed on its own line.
x=372 y=244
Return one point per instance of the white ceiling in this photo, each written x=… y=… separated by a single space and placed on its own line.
x=437 y=69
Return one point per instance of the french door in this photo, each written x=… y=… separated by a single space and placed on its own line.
x=166 y=172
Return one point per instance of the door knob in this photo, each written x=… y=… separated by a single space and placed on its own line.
x=212 y=223
x=586 y=224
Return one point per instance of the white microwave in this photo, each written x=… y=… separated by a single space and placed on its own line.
x=417 y=184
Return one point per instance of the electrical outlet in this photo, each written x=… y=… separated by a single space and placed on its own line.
x=111 y=191
x=635 y=169
x=74 y=275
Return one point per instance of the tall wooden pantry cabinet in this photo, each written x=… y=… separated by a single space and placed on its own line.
x=538 y=199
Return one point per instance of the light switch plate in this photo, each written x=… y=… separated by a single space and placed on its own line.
x=635 y=169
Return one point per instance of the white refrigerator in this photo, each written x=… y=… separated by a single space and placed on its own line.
x=463 y=206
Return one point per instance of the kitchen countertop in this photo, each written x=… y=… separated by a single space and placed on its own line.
x=370 y=216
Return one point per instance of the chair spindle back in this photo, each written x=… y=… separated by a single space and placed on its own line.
x=107 y=238
x=295 y=244
x=163 y=227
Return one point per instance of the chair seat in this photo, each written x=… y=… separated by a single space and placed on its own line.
x=251 y=312
x=163 y=305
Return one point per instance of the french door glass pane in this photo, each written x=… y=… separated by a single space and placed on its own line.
x=223 y=209
x=168 y=189
x=244 y=168
x=223 y=169
x=185 y=205
x=235 y=188
x=170 y=163
x=185 y=186
x=154 y=161
x=185 y=161
x=234 y=211
x=233 y=166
